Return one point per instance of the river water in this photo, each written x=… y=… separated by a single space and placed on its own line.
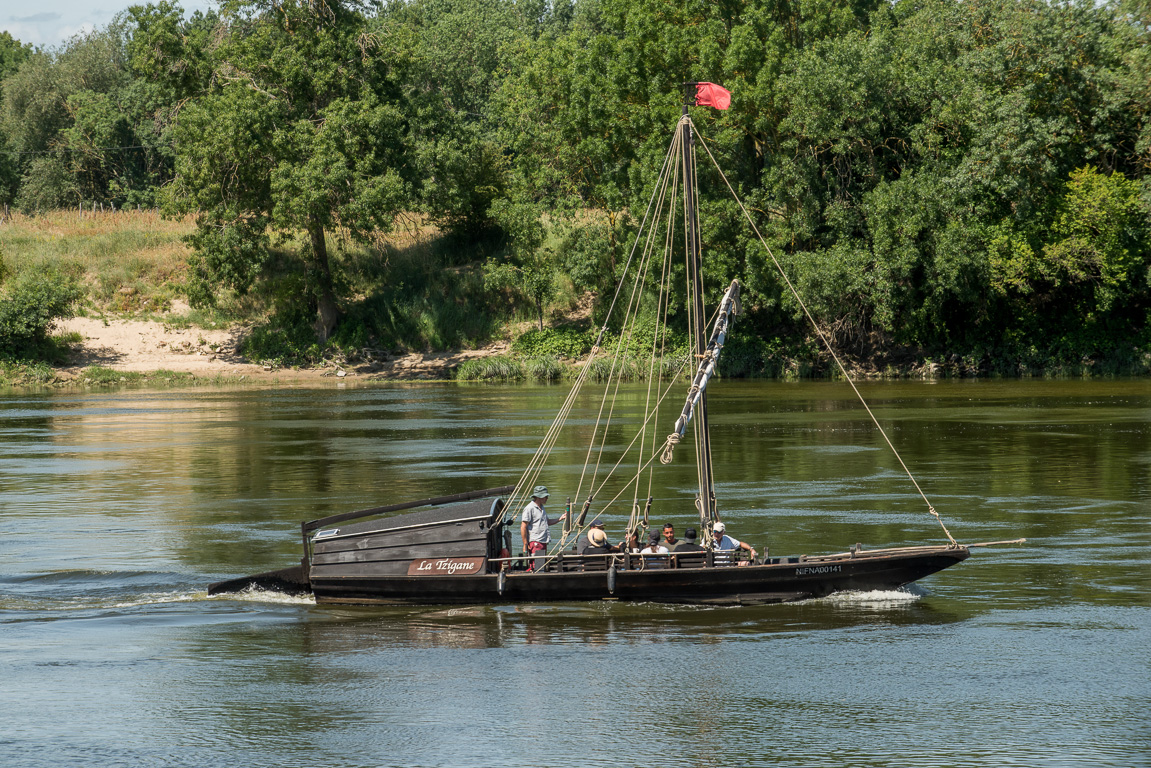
x=119 y=508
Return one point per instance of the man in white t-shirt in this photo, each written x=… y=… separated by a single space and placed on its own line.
x=535 y=523
x=653 y=546
x=725 y=543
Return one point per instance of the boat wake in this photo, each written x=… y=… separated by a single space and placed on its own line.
x=254 y=595
x=247 y=596
x=76 y=593
x=876 y=598
x=156 y=598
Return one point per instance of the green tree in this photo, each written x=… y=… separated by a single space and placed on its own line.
x=1136 y=78
x=1088 y=269
x=172 y=53
x=83 y=108
x=13 y=53
x=528 y=270
x=300 y=132
x=455 y=57
x=917 y=151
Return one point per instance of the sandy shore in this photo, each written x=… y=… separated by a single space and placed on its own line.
x=144 y=346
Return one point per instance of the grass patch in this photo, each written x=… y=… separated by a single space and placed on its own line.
x=545 y=368
x=211 y=318
x=99 y=376
x=24 y=374
x=129 y=262
x=495 y=368
x=503 y=368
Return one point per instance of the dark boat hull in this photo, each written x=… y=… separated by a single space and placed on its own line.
x=779 y=581
x=453 y=555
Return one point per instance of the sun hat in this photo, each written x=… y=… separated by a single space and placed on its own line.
x=596 y=537
x=541 y=492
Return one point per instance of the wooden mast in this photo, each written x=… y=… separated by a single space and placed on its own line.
x=707 y=509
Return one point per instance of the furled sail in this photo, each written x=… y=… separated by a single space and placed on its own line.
x=728 y=308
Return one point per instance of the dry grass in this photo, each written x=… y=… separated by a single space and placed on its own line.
x=132 y=261
x=135 y=262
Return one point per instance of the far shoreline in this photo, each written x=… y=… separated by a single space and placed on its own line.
x=119 y=352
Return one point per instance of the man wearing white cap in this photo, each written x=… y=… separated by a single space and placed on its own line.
x=535 y=523
x=725 y=543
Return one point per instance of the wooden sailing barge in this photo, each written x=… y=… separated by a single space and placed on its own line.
x=457 y=549
x=452 y=555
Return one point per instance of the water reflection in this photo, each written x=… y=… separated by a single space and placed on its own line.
x=605 y=624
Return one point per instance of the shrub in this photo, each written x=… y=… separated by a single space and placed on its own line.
x=46 y=186
x=554 y=342
x=29 y=306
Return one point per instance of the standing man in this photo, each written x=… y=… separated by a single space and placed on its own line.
x=534 y=525
x=669 y=539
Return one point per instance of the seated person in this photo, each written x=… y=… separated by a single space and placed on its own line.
x=688 y=554
x=725 y=543
x=597 y=543
x=653 y=546
x=585 y=540
x=688 y=544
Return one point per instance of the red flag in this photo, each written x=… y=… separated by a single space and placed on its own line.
x=712 y=95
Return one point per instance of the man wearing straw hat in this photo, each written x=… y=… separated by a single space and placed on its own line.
x=585 y=540
x=534 y=525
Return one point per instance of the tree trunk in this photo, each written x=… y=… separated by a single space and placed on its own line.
x=327 y=313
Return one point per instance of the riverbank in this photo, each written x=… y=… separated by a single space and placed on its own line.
x=112 y=351
x=417 y=291
x=109 y=351
x=141 y=346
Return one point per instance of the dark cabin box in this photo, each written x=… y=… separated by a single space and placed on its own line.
x=451 y=540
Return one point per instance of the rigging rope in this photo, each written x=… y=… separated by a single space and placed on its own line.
x=628 y=328
x=827 y=345
x=535 y=466
x=669 y=177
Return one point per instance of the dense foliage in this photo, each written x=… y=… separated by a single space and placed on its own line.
x=967 y=180
x=30 y=304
